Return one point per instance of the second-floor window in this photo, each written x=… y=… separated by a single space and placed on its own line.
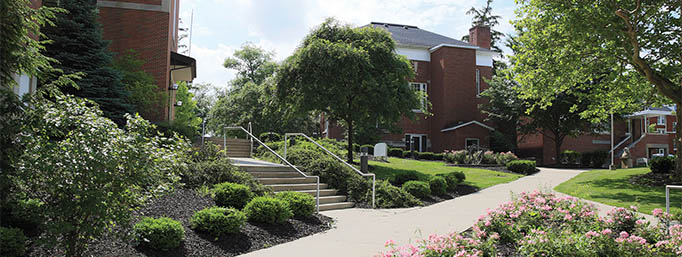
x=478 y=82
x=661 y=120
x=420 y=88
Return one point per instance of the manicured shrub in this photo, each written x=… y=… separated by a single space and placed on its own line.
x=410 y=154
x=662 y=164
x=269 y=137
x=162 y=233
x=593 y=159
x=504 y=157
x=208 y=152
x=521 y=166
x=370 y=149
x=209 y=173
x=453 y=179
x=489 y=158
x=419 y=189
x=456 y=157
x=398 y=179
x=230 y=194
x=439 y=156
x=390 y=196
x=300 y=204
x=359 y=189
x=12 y=242
x=426 y=155
x=570 y=157
x=395 y=152
x=268 y=210
x=356 y=148
x=438 y=185
x=218 y=221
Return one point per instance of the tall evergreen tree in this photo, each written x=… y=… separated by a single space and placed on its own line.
x=78 y=46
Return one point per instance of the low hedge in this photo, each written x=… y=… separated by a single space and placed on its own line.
x=162 y=233
x=426 y=156
x=395 y=152
x=390 y=196
x=12 y=242
x=232 y=195
x=398 y=179
x=570 y=157
x=662 y=164
x=218 y=221
x=419 y=189
x=370 y=149
x=300 y=204
x=439 y=186
x=453 y=179
x=593 y=159
x=439 y=156
x=268 y=210
x=521 y=166
x=269 y=137
x=219 y=170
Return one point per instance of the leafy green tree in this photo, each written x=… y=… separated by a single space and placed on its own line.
x=89 y=173
x=144 y=92
x=503 y=109
x=634 y=45
x=186 y=120
x=252 y=63
x=485 y=17
x=21 y=50
x=77 y=45
x=349 y=73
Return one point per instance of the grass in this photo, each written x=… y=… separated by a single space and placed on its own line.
x=614 y=188
x=480 y=178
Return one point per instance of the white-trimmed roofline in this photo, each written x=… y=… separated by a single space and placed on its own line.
x=433 y=49
x=467 y=124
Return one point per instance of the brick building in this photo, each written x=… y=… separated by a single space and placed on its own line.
x=646 y=133
x=451 y=73
x=150 y=28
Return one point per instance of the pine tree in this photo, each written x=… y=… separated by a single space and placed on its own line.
x=78 y=46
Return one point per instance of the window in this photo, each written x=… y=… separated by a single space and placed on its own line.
x=472 y=142
x=661 y=120
x=420 y=87
x=478 y=83
x=660 y=130
x=416 y=142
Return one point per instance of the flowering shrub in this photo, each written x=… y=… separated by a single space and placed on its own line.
x=542 y=224
x=489 y=157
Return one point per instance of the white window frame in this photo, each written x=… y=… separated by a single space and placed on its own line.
x=660 y=130
x=661 y=120
x=422 y=88
x=478 y=142
x=421 y=137
x=478 y=83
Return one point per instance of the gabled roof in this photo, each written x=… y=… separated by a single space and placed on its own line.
x=408 y=35
x=655 y=111
x=466 y=124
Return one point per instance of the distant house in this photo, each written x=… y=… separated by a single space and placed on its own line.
x=451 y=72
x=646 y=133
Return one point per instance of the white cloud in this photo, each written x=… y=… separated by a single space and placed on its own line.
x=210 y=64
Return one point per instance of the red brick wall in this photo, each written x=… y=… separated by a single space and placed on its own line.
x=149 y=34
x=456 y=139
x=480 y=36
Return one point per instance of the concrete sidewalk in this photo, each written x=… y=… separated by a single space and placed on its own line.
x=363 y=232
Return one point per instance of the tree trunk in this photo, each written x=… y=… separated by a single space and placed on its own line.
x=677 y=174
x=350 y=140
x=557 y=154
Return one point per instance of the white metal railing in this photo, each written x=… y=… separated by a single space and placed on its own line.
x=252 y=137
x=286 y=142
x=667 y=196
x=620 y=143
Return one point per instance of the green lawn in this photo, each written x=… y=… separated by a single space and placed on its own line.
x=612 y=187
x=475 y=177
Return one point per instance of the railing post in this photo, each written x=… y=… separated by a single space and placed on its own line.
x=667 y=199
x=373 y=190
x=286 y=142
x=317 y=198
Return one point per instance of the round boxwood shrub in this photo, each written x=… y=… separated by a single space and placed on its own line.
x=370 y=149
x=218 y=220
x=12 y=242
x=300 y=204
x=453 y=179
x=269 y=137
x=662 y=164
x=395 y=152
x=162 y=233
x=521 y=166
x=390 y=196
x=419 y=189
x=232 y=195
x=399 y=179
x=438 y=185
x=268 y=210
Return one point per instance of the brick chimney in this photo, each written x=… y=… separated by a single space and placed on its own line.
x=480 y=36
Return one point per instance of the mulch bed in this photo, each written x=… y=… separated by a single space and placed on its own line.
x=180 y=206
x=654 y=179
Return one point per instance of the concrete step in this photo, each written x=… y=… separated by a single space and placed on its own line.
x=235 y=141
x=296 y=187
x=253 y=168
x=238 y=152
x=323 y=192
x=336 y=206
x=275 y=174
x=298 y=180
x=238 y=146
x=332 y=199
x=239 y=155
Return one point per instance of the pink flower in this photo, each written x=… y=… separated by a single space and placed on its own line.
x=624 y=234
x=657 y=212
x=389 y=242
x=639 y=222
x=591 y=234
x=606 y=231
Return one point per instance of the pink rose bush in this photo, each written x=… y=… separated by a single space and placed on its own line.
x=542 y=224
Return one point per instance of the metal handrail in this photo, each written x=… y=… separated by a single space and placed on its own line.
x=317 y=178
x=286 y=142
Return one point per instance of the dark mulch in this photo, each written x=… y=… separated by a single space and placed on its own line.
x=459 y=191
x=180 y=206
x=654 y=179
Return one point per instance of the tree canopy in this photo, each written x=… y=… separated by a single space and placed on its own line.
x=252 y=63
x=485 y=17
x=349 y=73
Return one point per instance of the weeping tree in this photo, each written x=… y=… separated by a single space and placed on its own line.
x=349 y=73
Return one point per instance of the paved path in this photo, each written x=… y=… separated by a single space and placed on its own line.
x=363 y=232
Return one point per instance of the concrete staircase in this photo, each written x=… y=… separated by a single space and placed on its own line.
x=281 y=177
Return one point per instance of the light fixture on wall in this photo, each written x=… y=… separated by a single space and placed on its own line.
x=178 y=103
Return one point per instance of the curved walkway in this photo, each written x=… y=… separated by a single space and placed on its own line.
x=363 y=232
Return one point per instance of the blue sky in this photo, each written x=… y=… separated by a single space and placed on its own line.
x=222 y=26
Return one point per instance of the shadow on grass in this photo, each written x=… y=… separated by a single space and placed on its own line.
x=387 y=172
x=621 y=190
